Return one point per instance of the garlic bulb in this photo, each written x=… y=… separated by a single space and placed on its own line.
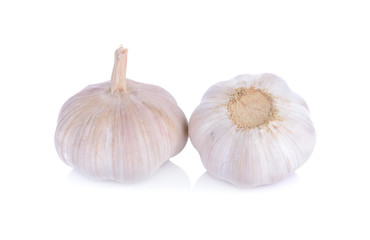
x=252 y=130
x=120 y=130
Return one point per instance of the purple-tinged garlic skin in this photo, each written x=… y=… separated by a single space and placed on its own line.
x=120 y=130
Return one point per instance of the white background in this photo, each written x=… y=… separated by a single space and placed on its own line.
x=50 y=50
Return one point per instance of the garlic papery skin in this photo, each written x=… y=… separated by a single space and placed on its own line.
x=252 y=130
x=120 y=130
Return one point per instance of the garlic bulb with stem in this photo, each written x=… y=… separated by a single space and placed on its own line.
x=120 y=130
x=252 y=130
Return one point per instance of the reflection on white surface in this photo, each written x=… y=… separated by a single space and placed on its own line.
x=208 y=183
x=168 y=177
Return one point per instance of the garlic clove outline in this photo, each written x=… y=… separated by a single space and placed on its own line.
x=252 y=130
x=120 y=130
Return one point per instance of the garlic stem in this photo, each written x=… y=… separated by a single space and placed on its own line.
x=118 y=80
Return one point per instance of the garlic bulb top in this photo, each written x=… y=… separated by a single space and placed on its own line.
x=120 y=130
x=252 y=130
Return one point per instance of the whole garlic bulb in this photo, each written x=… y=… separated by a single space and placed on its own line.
x=120 y=130
x=252 y=130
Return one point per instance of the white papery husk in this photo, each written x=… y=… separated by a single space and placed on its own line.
x=120 y=130
x=255 y=156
